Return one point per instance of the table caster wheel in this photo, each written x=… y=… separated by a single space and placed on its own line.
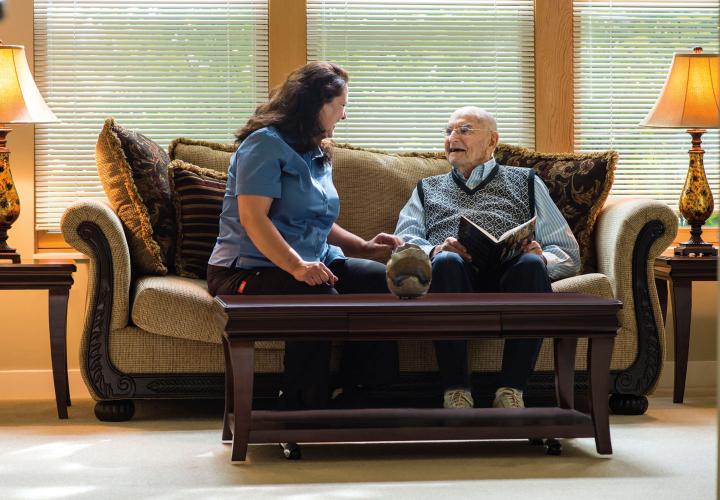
x=535 y=442
x=553 y=447
x=291 y=451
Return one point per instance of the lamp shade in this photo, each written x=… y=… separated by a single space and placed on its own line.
x=20 y=100
x=690 y=98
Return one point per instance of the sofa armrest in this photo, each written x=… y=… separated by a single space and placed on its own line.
x=629 y=234
x=93 y=228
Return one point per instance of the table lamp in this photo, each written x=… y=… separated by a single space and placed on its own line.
x=690 y=99
x=20 y=102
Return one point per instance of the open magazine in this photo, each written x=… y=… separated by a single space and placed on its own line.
x=488 y=251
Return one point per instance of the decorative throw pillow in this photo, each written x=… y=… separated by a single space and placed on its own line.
x=213 y=155
x=133 y=172
x=198 y=195
x=579 y=184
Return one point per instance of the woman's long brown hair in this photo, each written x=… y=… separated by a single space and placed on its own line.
x=294 y=107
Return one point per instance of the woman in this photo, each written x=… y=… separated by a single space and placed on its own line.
x=278 y=233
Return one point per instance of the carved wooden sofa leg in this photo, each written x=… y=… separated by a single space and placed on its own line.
x=119 y=410
x=628 y=404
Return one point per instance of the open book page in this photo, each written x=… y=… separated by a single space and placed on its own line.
x=485 y=249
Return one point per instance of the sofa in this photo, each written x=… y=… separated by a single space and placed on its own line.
x=152 y=331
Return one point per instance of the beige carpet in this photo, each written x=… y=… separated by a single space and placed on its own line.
x=172 y=450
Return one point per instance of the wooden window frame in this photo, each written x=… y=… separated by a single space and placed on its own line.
x=554 y=97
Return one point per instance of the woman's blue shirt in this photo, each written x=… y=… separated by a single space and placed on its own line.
x=305 y=203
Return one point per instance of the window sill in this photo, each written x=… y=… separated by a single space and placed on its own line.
x=76 y=256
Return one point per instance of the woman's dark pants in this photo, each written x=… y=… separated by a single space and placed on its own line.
x=306 y=379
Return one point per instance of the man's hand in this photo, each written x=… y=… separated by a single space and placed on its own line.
x=381 y=246
x=452 y=245
x=314 y=273
x=533 y=247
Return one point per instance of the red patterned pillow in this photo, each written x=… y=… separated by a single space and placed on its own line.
x=198 y=196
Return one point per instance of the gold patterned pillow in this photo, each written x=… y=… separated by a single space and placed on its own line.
x=133 y=172
x=579 y=184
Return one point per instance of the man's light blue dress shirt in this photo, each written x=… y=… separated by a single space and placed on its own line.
x=559 y=246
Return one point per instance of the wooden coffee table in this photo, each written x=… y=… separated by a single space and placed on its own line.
x=563 y=317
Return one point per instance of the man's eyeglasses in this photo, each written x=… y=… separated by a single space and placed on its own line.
x=463 y=130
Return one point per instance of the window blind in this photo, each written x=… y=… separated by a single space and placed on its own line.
x=164 y=68
x=623 y=51
x=413 y=62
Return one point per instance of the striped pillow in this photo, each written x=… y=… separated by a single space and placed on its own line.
x=198 y=197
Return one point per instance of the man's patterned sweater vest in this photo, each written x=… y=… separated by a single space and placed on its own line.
x=503 y=200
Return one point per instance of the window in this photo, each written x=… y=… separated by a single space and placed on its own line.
x=412 y=63
x=623 y=51
x=165 y=68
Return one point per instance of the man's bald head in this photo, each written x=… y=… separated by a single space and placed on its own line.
x=470 y=138
x=482 y=116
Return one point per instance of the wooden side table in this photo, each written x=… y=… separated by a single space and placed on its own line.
x=56 y=278
x=679 y=272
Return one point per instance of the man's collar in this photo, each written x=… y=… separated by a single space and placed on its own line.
x=482 y=169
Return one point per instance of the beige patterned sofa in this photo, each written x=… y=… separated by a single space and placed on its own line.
x=151 y=336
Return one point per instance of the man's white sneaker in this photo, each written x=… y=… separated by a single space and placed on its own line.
x=458 y=398
x=507 y=397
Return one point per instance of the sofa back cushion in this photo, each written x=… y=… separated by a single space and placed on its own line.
x=133 y=173
x=198 y=195
x=374 y=186
x=205 y=154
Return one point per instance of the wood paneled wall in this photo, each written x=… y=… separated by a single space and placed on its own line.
x=287 y=34
x=554 y=76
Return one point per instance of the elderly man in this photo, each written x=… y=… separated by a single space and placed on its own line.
x=499 y=198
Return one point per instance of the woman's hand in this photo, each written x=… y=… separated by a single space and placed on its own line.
x=452 y=245
x=381 y=246
x=314 y=273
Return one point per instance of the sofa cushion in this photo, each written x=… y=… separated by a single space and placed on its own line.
x=177 y=307
x=182 y=308
x=212 y=155
x=591 y=284
x=198 y=196
x=133 y=172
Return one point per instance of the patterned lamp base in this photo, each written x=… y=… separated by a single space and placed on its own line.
x=696 y=201
x=9 y=201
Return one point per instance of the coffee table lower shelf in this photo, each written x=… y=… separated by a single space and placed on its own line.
x=411 y=424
